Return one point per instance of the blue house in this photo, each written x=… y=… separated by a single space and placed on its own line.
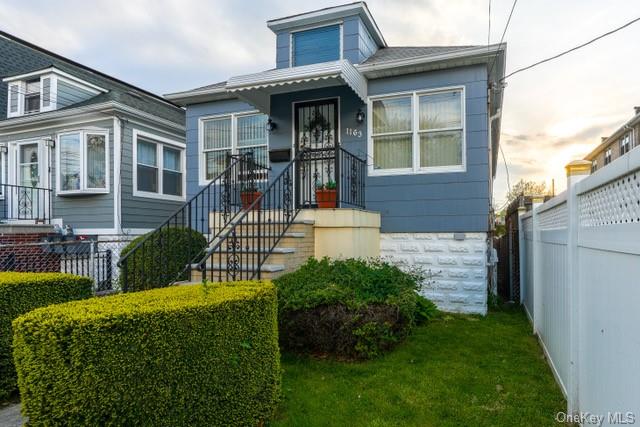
x=407 y=136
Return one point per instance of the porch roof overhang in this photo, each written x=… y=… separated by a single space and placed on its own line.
x=257 y=88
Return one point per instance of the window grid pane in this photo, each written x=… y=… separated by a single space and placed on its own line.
x=96 y=161
x=392 y=115
x=393 y=151
x=147 y=153
x=440 y=111
x=70 y=157
x=215 y=162
x=217 y=134
x=440 y=149
x=171 y=159
x=252 y=130
x=171 y=183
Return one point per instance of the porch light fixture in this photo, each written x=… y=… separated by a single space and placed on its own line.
x=49 y=142
x=360 y=116
x=4 y=149
x=270 y=126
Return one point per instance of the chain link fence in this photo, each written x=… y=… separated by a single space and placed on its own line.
x=94 y=258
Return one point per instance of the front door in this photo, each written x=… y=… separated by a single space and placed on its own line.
x=28 y=196
x=316 y=131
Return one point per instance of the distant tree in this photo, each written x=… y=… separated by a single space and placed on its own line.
x=526 y=188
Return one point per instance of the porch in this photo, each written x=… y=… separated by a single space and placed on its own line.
x=24 y=204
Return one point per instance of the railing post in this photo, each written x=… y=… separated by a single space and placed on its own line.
x=576 y=171
x=338 y=170
x=536 y=259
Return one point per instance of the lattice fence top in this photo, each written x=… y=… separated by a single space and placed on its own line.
x=617 y=202
x=554 y=218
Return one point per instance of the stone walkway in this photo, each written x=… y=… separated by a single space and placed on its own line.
x=10 y=415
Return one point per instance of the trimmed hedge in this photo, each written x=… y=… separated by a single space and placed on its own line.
x=350 y=308
x=160 y=259
x=21 y=293
x=198 y=355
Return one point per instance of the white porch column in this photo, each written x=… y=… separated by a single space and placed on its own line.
x=577 y=170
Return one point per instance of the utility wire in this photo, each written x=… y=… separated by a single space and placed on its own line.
x=495 y=57
x=572 y=49
x=506 y=168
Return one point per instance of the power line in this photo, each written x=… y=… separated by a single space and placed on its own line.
x=506 y=168
x=572 y=49
x=495 y=57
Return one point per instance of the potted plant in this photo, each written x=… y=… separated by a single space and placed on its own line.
x=249 y=194
x=326 y=195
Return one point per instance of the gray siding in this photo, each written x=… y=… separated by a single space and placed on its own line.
x=283 y=47
x=451 y=202
x=69 y=94
x=357 y=42
x=194 y=112
x=78 y=211
x=141 y=212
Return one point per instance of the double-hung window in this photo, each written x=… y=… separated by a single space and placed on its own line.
x=159 y=167
x=32 y=96
x=418 y=132
x=83 y=162
x=222 y=136
x=625 y=144
x=607 y=156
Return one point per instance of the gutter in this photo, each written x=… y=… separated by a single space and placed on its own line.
x=95 y=108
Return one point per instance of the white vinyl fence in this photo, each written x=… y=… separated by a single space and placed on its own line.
x=580 y=276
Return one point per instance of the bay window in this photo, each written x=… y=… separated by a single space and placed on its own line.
x=159 y=167
x=231 y=134
x=82 y=162
x=418 y=132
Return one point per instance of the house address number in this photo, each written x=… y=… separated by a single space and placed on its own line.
x=354 y=132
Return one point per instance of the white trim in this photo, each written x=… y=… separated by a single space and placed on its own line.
x=20 y=106
x=84 y=190
x=3 y=171
x=90 y=86
x=128 y=232
x=104 y=106
x=202 y=167
x=416 y=169
x=160 y=143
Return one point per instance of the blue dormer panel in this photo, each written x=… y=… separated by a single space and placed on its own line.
x=316 y=45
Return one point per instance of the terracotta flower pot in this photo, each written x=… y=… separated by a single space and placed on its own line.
x=326 y=199
x=248 y=197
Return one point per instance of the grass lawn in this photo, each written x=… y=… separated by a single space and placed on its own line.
x=456 y=371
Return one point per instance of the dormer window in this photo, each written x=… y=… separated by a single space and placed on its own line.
x=316 y=45
x=46 y=90
x=32 y=96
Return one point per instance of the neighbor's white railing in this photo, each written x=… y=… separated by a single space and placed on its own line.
x=580 y=286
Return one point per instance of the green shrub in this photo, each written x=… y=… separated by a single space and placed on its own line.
x=199 y=355
x=348 y=308
x=21 y=293
x=161 y=258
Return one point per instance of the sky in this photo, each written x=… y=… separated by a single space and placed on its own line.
x=552 y=114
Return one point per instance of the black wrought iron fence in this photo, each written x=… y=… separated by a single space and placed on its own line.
x=330 y=177
x=167 y=254
x=19 y=202
x=90 y=258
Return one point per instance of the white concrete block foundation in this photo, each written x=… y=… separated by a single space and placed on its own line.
x=456 y=264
